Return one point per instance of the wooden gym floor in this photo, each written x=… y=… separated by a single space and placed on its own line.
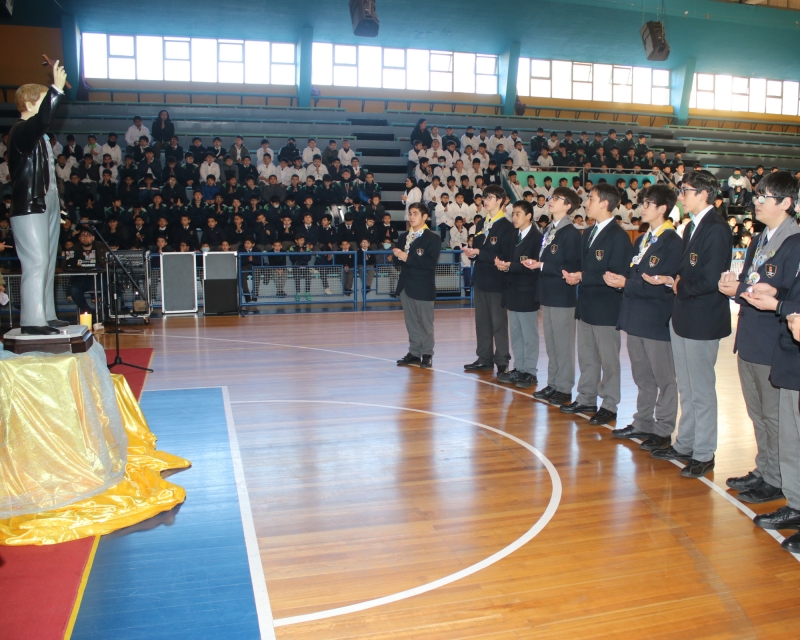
x=393 y=502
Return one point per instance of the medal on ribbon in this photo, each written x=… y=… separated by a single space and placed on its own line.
x=753 y=278
x=493 y=240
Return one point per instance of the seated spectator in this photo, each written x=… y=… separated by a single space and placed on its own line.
x=310 y=151
x=238 y=151
x=264 y=155
x=216 y=150
x=544 y=159
x=197 y=149
x=289 y=152
x=346 y=154
x=93 y=149
x=174 y=150
x=210 y=188
x=330 y=153
x=76 y=194
x=73 y=149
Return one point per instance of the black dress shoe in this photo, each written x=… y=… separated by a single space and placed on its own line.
x=629 y=432
x=574 y=407
x=762 y=492
x=544 y=394
x=39 y=331
x=57 y=323
x=408 y=359
x=743 y=483
x=697 y=469
x=603 y=416
x=656 y=442
x=792 y=543
x=506 y=376
x=478 y=366
x=558 y=399
x=670 y=453
x=525 y=380
x=426 y=362
x=783 y=518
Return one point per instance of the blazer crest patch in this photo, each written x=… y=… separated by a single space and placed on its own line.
x=553 y=248
x=771 y=270
x=693 y=259
x=420 y=251
x=654 y=260
x=599 y=254
x=493 y=240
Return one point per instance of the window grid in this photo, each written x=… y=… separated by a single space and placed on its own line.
x=755 y=95
x=392 y=68
x=178 y=59
x=569 y=80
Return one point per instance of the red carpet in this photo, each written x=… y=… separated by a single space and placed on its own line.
x=39 y=584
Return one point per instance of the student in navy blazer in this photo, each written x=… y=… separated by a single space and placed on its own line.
x=644 y=316
x=606 y=248
x=560 y=252
x=771 y=265
x=700 y=318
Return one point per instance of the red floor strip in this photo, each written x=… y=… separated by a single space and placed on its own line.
x=39 y=584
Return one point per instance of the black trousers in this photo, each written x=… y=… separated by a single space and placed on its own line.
x=491 y=328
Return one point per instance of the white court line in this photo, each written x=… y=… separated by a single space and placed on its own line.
x=263 y=609
x=739 y=505
x=540 y=524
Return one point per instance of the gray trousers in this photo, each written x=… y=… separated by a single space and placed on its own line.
x=790 y=446
x=762 y=400
x=36 y=240
x=491 y=328
x=524 y=328
x=418 y=315
x=653 y=371
x=559 y=341
x=598 y=359
x=694 y=369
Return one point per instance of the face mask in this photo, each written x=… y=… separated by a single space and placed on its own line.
x=205 y=249
x=387 y=245
x=112 y=144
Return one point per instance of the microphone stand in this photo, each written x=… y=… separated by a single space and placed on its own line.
x=117 y=263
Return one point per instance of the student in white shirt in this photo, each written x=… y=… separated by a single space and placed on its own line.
x=54 y=143
x=497 y=138
x=436 y=137
x=136 y=131
x=458 y=171
x=209 y=167
x=483 y=156
x=469 y=139
x=432 y=193
x=445 y=215
x=511 y=141
x=516 y=188
x=451 y=155
x=440 y=168
x=346 y=154
x=468 y=155
x=553 y=143
x=458 y=233
x=111 y=148
x=450 y=188
x=316 y=169
x=540 y=208
x=262 y=151
x=411 y=195
x=460 y=208
x=93 y=149
x=310 y=151
x=434 y=152
x=5 y=178
x=547 y=188
x=473 y=171
x=544 y=159
x=519 y=156
x=413 y=157
x=265 y=170
x=633 y=192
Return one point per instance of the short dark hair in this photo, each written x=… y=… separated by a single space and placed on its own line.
x=781 y=184
x=703 y=180
x=525 y=206
x=609 y=194
x=497 y=191
x=421 y=208
x=661 y=194
x=570 y=196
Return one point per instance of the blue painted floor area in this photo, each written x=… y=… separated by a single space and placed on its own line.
x=183 y=574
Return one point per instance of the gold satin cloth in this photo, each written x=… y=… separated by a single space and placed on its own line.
x=141 y=494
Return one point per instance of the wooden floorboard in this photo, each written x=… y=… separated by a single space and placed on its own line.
x=353 y=502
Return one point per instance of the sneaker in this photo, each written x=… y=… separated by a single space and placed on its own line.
x=670 y=453
x=506 y=376
x=308 y=297
x=408 y=359
x=697 y=469
x=526 y=380
x=426 y=362
x=328 y=291
x=544 y=394
x=558 y=398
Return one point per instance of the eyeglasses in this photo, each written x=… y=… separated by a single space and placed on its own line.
x=762 y=198
x=685 y=190
x=551 y=198
x=648 y=203
x=489 y=197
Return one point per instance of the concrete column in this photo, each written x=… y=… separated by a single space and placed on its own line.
x=71 y=39
x=304 y=44
x=507 y=80
x=681 y=89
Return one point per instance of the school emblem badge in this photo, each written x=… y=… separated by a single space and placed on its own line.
x=420 y=251
x=493 y=240
x=654 y=261
x=598 y=254
x=553 y=248
x=771 y=270
x=693 y=259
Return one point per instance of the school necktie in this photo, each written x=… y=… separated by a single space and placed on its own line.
x=690 y=229
x=519 y=237
x=592 y=234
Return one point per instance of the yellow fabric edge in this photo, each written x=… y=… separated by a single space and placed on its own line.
x=73 y=616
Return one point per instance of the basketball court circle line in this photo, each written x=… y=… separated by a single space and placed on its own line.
x=711 y=485
x=549 y=512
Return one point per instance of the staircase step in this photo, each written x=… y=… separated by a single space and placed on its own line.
x=388 y=137
x=370 y=122
x=384 y=153
x=386 y=168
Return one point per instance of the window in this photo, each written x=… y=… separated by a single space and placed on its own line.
x=188 y=59
x=756 y=95
x=390 y=68
x=567 y=80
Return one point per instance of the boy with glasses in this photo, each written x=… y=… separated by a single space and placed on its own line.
x=700 y=318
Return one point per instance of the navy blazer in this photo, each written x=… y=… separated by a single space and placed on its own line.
x=701 y=311
x=757 y=331
x=646 y=308
x=499 y=243
x=785 y=372
x=418 y=272
x=599 y=304
x=562 y=254
x=522 y=293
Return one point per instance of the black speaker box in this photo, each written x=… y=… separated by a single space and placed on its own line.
x=365 y=20
x=220 y=296
x=654 y=40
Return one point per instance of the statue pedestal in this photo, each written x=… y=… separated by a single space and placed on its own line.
x=72 y=339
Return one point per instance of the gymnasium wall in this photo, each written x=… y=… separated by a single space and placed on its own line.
x=21 y=50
